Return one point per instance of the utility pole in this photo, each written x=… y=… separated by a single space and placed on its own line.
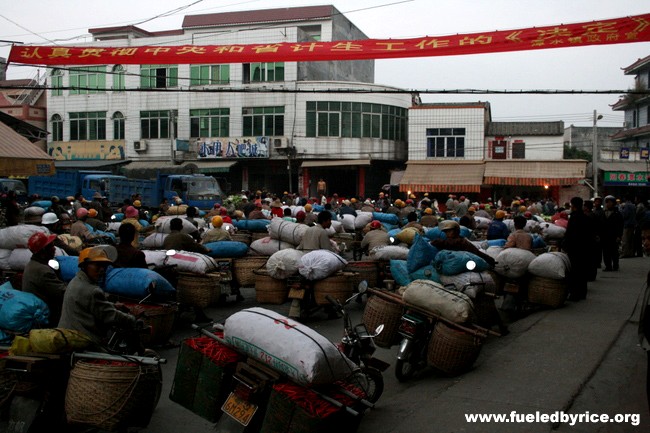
x=594 y=153
x=172 y=133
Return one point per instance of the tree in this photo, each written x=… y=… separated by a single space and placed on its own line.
x=575 y=153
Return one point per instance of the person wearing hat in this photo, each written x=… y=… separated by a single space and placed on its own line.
x=79 y=227
x=382 y=203
x=310 y=217
x=519 y=238
x=497 y=229
x=132 y=217
x=276 y=208
x=374 y=239
x=93 y=220
x=412 y=222
x=56 y=207
x=86 y=307
x=482 y=212
x=611 y=234
x=368 y=206
x=468 y=220
x=217 y=232
x=129 y=256
x=258 y=213
x=216 y=210
x=347 y=209
x=40 y=279
x=300 y=217
x=428 y=219
x=78 y=201
x=454 y=242
x=53 y=224
x=96 y=203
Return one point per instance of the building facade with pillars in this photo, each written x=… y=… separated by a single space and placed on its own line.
x=275 y=126
x=456 y=148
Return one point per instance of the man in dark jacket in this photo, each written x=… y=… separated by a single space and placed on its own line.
x=579 y=240
x=177 y=240
x=40 y=279
x=129 y=256
x=611 y=234
x=497 y=228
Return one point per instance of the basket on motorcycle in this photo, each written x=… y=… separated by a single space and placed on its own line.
x=161 y=318
x=452 y=350
x=198 y=290
x=296 y=409
x=364 y=270
x=381 y=311
x=112 y=395
x=547 y=291
x=339 y=286
x=203 y=377
x=269 y=290
x=243 y=269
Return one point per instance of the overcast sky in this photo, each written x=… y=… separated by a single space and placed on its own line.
x=586 y=68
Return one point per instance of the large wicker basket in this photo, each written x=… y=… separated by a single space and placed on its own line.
x=198 y=290
x=339 y=286
x=244 y=267
x=546 y=291
x=365 y=270
x=451 y=350
x=161 y=318
x=112 y=397
x=380 y=311
x=269 y=290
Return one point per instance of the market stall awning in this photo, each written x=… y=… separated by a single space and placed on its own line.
x=19 y=157
x=207 y=167
x=334 y=163
x=535 y=173
x=443 y=176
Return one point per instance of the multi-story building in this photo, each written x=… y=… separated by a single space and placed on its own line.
x=275 y=125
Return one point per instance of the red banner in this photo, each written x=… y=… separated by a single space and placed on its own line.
x=614 y=31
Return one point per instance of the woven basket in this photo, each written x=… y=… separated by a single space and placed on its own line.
x=380 y=311
x=161 y=318
x=241 y=237
x=243 y=269
x=269 y=290
x=365 y=270
x=198 y=290
x=112 y=397
x=452 y=351
x=339 y=286
x=546 y=291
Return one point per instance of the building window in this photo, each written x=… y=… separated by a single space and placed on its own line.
x=446 y=142
x=88 y=126
x=204 y=75
x=263 y=72
x=518 y=150
x=158 y=76
x=119 y=73
x=57 y=128
x=87 y=80
x=498 y=149
x=356 y=120
x=210 y=122
x=258 y=121
x=57 y=82
x=155 y=124
x=118 y=126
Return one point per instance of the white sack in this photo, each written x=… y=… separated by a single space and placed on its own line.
x=267 y=246
x=34 y=211
x=391 y=252
x=4 y=259
x=531 y=226
x=284 y=264
x=319 y=264
x=296 y=209
x=513 y=262
x=154 y=240
x=555 y=265
x=362 y=219
x=154 y=257
x=287 y=346
x=470 y=283
x=482 y=222
x=347 y=221
x=431 y=296
x=510 y=223
x=113 y=226
x=287 y=231
x=20 y=256
x=162 y=225
x=494 y=252
x=552 y=231
x=197 y=263
x=17 y=236
x=481 y=245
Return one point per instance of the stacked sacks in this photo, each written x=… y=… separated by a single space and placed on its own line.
x=418 y=264
x=268 y=246
x=284 y=264
x=552 y=231
x=455 y=272
x=548 y=284
x=555 y=265
x=17 y=236
x=448 y=304
x=319 y=264
x=455 y=262
x=223 y=249
x=436 y=233
x=20 y=312
x=287 y=231
x=19 y=257
x=185 y=261
x=362 y=219
x=154 y=240
x=391 y=252
x=256 y=226
x=137 y=283
x=513 y=262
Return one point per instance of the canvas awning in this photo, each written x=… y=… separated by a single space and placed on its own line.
x=535 y=173
x=334 y=163
x=212 y=166
x=19 y=157
x=89 y=163
x=443 y=176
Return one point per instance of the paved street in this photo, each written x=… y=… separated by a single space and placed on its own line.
x=581 y=357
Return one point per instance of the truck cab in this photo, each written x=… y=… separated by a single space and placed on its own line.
x=196 y=190
x=15 y=185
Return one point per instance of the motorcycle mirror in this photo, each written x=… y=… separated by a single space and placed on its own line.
x=53 y=264
x=378 y=330
x=170 y=253
x=363 y=287
x=471 y=265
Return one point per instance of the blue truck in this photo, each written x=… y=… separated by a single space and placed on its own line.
x=68 y=183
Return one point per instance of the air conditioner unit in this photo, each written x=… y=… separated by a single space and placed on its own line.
x=280 y=143
x=140 y=145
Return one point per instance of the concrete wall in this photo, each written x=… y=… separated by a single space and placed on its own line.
x=581 y=137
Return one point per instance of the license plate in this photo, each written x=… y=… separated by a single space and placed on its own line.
x=242 y=411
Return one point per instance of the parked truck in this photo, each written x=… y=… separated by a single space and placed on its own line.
x=70 y=182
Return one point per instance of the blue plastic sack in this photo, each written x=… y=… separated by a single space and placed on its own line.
x=394 y=232
x=496 y=242
x=317 y=208
x=427 y=272
x=21 y=311
x=436 y=233
x=6 y=338
x=399 y=272
x=137 y=283
x=389 y=226
x=538 y=241
x=222 y=249
x=118 y=217
x=421 y=254
x=253 y=225
x=202 y=213
x=144 y=223
x=386 y=218
x=68 y=267
x=455 y=262
x=45 y=204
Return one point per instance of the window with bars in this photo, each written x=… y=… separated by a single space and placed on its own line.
x=56 y=80
x=356 y=120
x=155 y=124
x=204 y=75
x=445 y=142
x=263 y=72
x=259 y=121
x=210 y=122
x=118 y=126
x=518 y=150
x=89 y=125
x=119 y=73
x=158 y=76
x=57 y=128
x=87 y=80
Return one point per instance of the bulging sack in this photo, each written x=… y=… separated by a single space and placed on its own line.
x=18 y=236
x=407 y=235
x=197 y=263
x=68 y=267
x=431 y=296
x=287 y=231
x=21 y=256
x=420 y=254
x=386 y=218
x=154 y=240
x=73 y=242
x=482 y=223
x=319 y=264
x=513 y=262
x=287 y=346
x=552 y=231
x=268 y=246
x=555 y=265
x=257 y=226
x=470 y=283
x=362 y=219
x=137 y=283
x=391 y=252
x=21 y=311
x=227 y=249
x=455 y=262
x=284 y=264
x=163 y=225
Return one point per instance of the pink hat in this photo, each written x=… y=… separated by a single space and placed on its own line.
x=131 y=212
